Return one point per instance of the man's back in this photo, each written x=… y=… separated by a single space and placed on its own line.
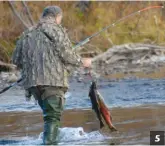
x=42 y=52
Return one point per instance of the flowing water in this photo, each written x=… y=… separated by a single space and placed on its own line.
x=137 y=107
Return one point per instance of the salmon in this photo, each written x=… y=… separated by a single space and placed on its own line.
x=99 y=106
x=105 y=112
x=95 y=104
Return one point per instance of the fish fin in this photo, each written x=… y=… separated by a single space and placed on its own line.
x=113 y=129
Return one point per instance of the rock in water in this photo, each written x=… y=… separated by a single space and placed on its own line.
x=12 y=78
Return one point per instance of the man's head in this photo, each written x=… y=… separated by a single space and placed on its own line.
x=54 y=12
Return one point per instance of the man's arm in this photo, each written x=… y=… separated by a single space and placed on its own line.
x=70 y=57
x=63 y=46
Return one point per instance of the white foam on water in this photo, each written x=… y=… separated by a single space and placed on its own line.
x=68 y=135
x=78 y=136
x=68 y=94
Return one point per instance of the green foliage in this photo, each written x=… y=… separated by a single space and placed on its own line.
x=80 y=14
x=149 y=25
x=6 y=50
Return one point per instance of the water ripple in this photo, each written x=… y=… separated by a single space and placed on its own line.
x=121 y=93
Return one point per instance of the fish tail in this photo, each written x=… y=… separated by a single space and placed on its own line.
x=112 y=128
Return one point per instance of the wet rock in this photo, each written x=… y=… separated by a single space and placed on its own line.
x=9 y=77
x=12 y=78
x=4 y=75
x=80 y=79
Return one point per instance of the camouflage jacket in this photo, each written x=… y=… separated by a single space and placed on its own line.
x=44 y=53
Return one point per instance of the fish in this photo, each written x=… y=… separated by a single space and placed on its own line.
x=99 y=106
x=95 y=104
x=105 y=112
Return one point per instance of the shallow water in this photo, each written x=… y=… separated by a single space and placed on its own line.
x=81 y=126
x=137 y=107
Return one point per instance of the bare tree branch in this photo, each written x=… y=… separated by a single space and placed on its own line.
x=16 y=13
x=28 y=13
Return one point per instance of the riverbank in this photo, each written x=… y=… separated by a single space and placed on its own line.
x=134 y=124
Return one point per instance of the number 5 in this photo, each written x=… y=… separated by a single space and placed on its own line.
x=157 y=138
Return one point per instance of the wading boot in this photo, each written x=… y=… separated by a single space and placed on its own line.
x=50 y=133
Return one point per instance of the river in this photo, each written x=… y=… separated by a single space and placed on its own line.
x=137 y=107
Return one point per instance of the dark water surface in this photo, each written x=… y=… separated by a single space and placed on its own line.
x=121 y=93
x=137 y=107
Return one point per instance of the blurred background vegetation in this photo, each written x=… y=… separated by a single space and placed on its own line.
x=82 y=19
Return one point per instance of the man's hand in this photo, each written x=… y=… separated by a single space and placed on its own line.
x=87 y=62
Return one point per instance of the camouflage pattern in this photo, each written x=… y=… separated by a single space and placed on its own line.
x=45 y=55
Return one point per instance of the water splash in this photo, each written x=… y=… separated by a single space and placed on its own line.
x=67 y=135
x=78 y=136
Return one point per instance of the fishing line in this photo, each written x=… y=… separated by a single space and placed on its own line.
x=114 y=24
x=95 y=34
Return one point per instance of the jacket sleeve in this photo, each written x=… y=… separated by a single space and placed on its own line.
x=63 y=46
x=16 y=57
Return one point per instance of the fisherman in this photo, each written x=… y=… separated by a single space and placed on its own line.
x=45 y=56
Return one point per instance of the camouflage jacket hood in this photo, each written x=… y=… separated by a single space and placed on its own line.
x=44 y=53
